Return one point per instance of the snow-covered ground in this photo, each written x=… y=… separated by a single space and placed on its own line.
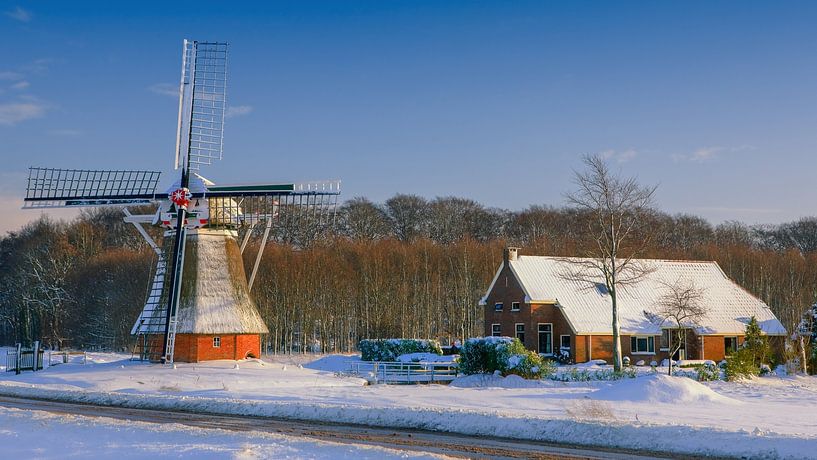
x=769 y=417
x=22 y=434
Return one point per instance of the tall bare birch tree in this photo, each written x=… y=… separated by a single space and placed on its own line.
x=619 y=211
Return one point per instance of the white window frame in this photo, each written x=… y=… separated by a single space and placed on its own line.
x=515 y=306
x=560 y=342
x=495 y=326
x=216 y=342
x=539 y=332
x=499 y=306
x=645 y=337
x=516 y=331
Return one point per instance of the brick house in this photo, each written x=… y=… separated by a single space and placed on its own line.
x=531 y=298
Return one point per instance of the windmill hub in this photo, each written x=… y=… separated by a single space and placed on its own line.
x=181 y=197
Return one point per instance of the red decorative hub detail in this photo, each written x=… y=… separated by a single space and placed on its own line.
x=181 y=197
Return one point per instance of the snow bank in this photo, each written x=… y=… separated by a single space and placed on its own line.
x=334 y=363
x=660 y=388
x=496 y=381
x=592 y=363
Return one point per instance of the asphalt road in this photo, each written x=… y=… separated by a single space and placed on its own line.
x=453 y=445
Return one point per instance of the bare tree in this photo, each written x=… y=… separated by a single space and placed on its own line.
x=409 y=216
x=681 y=306
x=363 y=220
x=620 y=210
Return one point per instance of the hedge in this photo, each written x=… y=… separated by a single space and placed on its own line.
x=390 y=349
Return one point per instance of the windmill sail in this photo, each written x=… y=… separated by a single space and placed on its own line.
x=52 y=188
x=202 y=104
x=286 y=203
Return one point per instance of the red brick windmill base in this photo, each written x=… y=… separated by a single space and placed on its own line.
x=193 y=348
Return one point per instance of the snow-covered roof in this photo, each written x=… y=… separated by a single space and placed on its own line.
x=214 y=298
x=587 y=306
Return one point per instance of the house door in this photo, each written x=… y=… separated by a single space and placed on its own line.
x=546 y=339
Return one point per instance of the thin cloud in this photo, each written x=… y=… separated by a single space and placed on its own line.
x=706 y=154
x=21 y=85
x=19 y=14
x=37 y=66
x=619 y=156
x=164 y=89
x=15 y=112
x=237 y=111
x=10 y=76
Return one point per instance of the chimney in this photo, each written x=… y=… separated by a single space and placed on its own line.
x=509 y=254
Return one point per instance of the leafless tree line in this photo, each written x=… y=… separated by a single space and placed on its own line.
x=408 y=267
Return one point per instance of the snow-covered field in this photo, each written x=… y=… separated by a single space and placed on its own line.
x=769 y=417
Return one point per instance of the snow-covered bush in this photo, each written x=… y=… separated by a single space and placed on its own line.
x=740 y=365
x=506 y=355
x=390 y=349
x=626 y=360
x=708 y=372
x=750 y=357
x=563 y=357
x=585 y=375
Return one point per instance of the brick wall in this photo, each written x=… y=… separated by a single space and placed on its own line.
x=247 y=344
x=192 y=348
x=506 y=290
x=547 y=313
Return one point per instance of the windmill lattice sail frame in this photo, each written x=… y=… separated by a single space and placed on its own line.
x=202 y=104
x=57 y=188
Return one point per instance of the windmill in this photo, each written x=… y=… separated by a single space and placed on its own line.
x=199 y=293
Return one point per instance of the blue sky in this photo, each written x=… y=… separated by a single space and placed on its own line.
x=495 y=101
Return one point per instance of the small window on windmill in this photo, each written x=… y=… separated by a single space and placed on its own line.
x=216 y=342
x=602 y=288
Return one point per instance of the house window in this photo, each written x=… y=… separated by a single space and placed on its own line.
x=498 y=306
x=546 y=339
x=665 y=339
x=514 y=306
x=216 y=342
x=496 y=330
x=642 y=345
x=564 y=342
x=730 y=345
x=520 y=332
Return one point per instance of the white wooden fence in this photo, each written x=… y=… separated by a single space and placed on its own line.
x=405 y=373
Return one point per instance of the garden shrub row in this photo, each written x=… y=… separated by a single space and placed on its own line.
x=390 y=349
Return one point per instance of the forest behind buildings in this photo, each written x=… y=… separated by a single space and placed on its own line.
x=409 y=267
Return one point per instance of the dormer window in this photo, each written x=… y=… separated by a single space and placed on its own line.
x=514 y=306
x=498 y=306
